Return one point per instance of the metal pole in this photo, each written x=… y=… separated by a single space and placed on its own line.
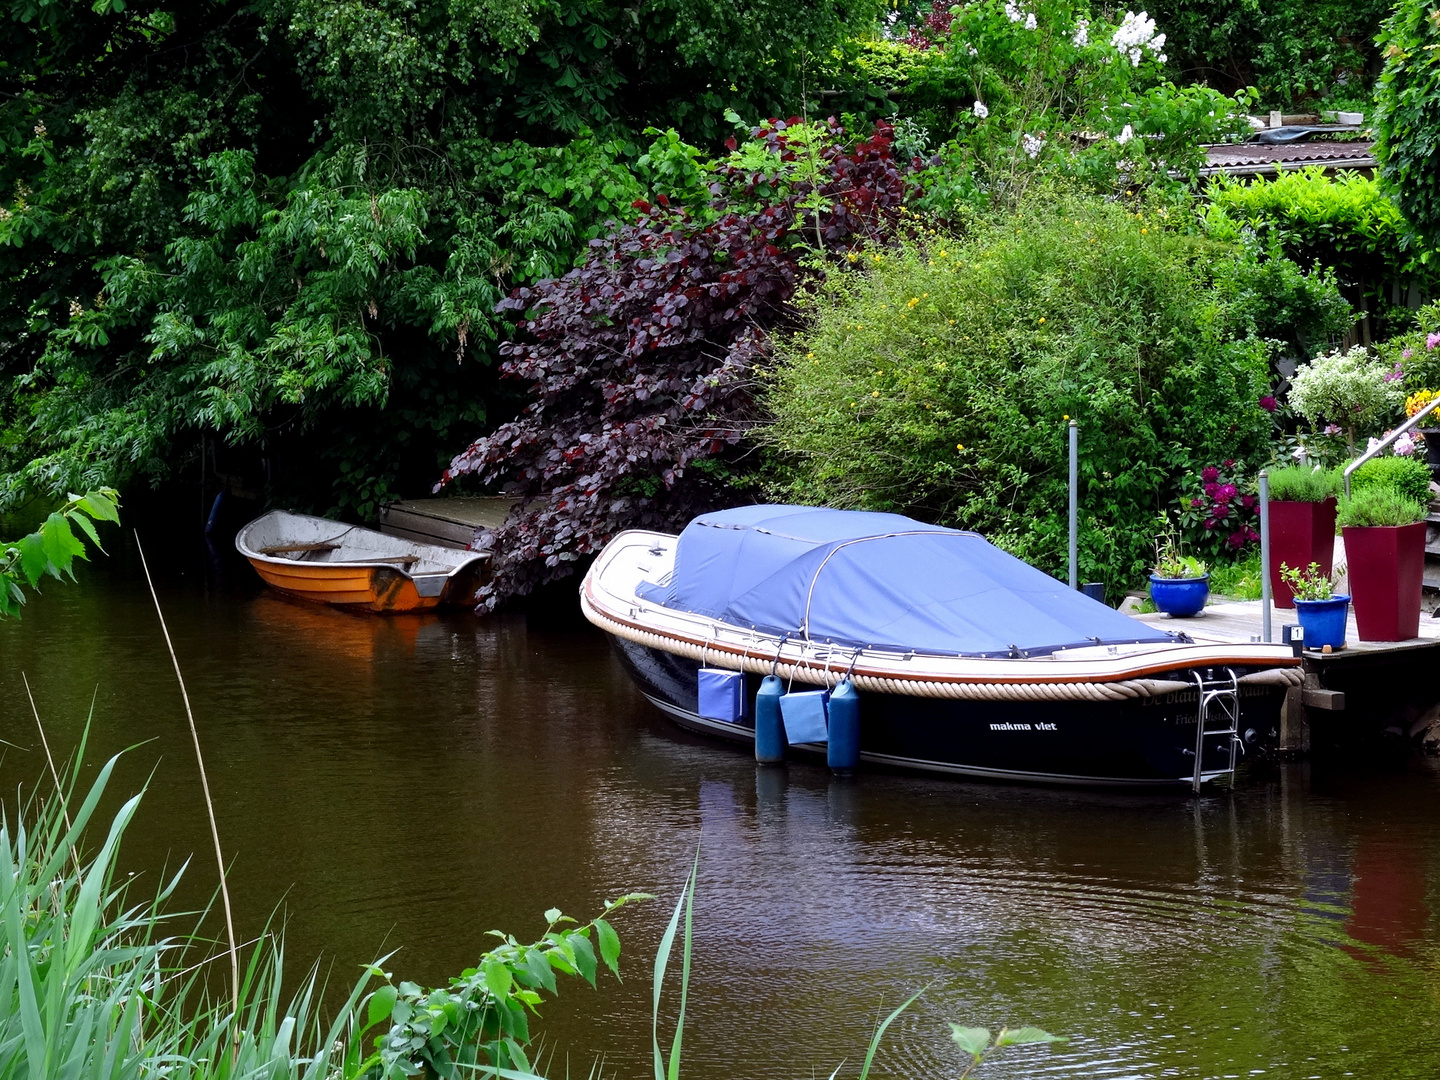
x=1074 y=505
x=1265 y=555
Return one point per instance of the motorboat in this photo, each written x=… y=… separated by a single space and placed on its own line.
x=351 y=566
x=966 y=659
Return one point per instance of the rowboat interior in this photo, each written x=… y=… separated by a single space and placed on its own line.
x=352 y=566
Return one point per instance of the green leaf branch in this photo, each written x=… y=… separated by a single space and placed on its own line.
x=53 y=548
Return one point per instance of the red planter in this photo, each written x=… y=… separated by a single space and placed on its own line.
x=1301 y=533
x=1387 y=573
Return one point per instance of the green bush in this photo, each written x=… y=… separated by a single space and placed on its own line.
x=1407 y=477
x=938 y=380
x=1407 y=116
x=1301 y=483
x=1346 y=223
x=1379 y=507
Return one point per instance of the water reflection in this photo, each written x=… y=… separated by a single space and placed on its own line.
x=416 y=781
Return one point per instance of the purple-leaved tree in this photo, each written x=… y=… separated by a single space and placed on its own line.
x=644 y=362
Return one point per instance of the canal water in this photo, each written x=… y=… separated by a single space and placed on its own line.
x=403 y=785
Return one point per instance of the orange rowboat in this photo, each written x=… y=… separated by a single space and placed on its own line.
x=349 y=566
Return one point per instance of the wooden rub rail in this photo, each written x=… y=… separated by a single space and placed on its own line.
x=826 y=673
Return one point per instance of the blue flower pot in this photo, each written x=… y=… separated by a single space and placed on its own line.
x=1180 y=598
x=1323 y=621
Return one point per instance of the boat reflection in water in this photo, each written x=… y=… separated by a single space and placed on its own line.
x=967 y=660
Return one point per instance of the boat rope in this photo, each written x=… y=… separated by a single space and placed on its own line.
x=803 y=671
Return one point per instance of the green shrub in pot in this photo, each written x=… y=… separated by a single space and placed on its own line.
x=1407 y=477
x=1379 y=507
x=1302 y=483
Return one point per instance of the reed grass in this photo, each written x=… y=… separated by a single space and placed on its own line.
x=94 y=987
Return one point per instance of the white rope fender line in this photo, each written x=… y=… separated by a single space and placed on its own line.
x=803 y=672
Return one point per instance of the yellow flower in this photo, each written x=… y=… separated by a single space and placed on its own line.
x=809 y=356
x=943 y=253
x=1065 y=417
x=874 y=393
x=959 y=446
x=924 y=294
x=1042 y=318
x=852 y=256
x=1144 y=231
x=952 y=322
x=913 y=301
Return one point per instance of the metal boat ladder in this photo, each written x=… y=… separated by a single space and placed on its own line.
x=1217 y=714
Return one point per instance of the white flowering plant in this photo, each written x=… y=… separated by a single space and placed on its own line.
x=1054 y=85
x=1351 y=391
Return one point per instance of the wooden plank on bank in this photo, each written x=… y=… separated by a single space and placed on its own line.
x=448 y=522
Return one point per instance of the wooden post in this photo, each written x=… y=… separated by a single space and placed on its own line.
x=1294 y=724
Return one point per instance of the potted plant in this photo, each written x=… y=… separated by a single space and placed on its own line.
x=1385 y=547
x=1302 y=524
x=1351 y=390
x=1321 y=613
x=1179 y=584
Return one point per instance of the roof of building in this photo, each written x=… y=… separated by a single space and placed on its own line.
x=1250 y=158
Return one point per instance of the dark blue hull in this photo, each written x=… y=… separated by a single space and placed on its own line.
x=1135 y=742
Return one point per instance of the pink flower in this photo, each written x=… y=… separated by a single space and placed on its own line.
x=1332 y=429
x=1210 y=523
x=1407 y=354
x=1237 y=540
x=1268 y=403
x=1247 y=501
x=1405 y=445
x=1225 y=494
x=1229 y=463
x=1209 y=474
x=1211 y=489
x=1197 y=503
x=1432 y=340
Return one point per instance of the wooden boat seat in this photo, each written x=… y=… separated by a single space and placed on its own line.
x=304 y=549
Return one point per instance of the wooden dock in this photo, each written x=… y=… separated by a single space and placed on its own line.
x=1366 y=690
x=447 y=522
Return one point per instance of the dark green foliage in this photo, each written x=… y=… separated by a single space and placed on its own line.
x=284 y=226
x=1293 y=51
x=1301 y=483
x=1407 y=477
x=1407 y=117
x=938 y=381
x=1379 y=507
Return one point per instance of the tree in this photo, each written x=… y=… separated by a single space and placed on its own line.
x=284 y=225
x=644 y=363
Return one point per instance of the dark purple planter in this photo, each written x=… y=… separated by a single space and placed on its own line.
x=1432 y=445
x=1301 y=533
x=1387 y=576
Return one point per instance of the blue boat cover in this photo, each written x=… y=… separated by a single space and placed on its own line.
x=879 y=580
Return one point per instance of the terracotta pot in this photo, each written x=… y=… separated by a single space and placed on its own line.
x=1387 y=575
x=1301 y=533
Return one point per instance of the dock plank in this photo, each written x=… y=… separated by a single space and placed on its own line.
x=1229 y=622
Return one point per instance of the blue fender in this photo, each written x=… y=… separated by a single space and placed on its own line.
x=769 y=727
